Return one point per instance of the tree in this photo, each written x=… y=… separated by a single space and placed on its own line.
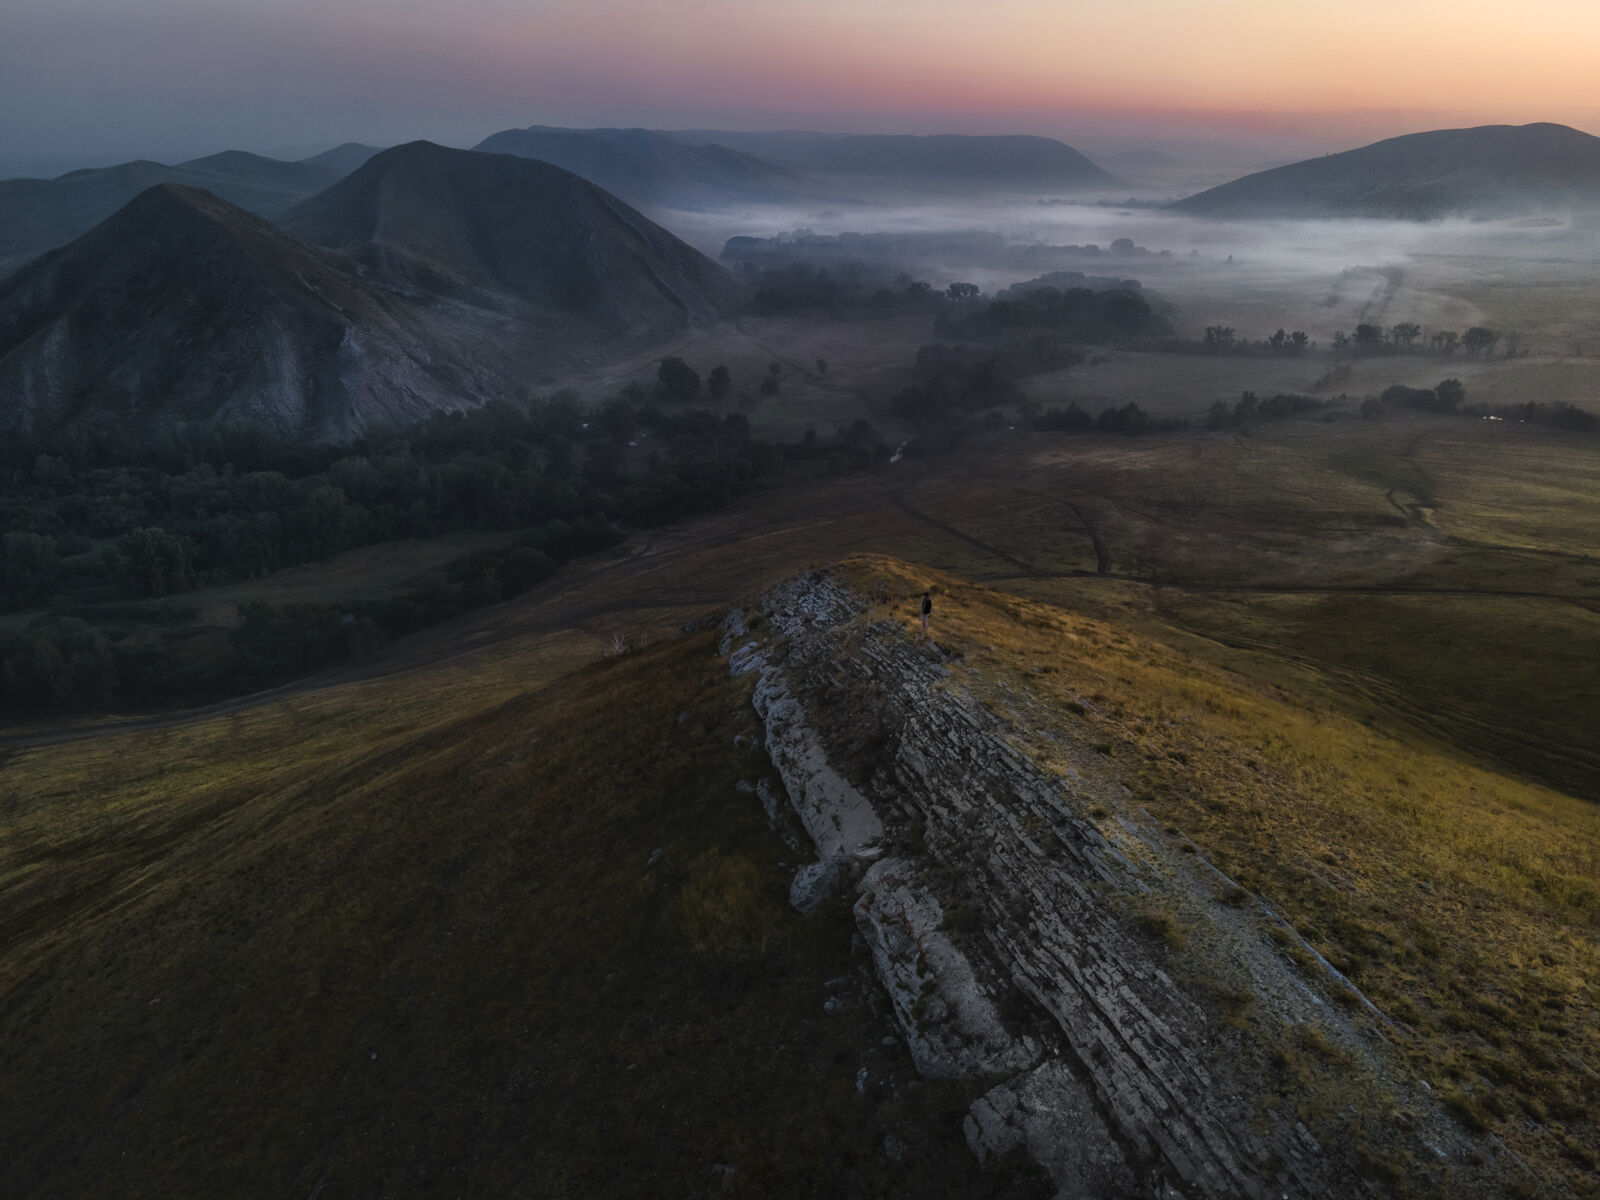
x=154 y=562
x=719 y=383
x=1450 y=393
x=1341 y=339
x=676 y=380
x=1277 y=340
x=1479 y=339
x=1298 y=339
x=962 y=291
x=77 y=663
x=1219 y=337
x=1368 y=337
x=28 y=567
x=1403 y=334
x=1445 y=341
x=1372 y=407
x=616 y=417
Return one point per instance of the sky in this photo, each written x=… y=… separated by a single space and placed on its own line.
x=166 y=79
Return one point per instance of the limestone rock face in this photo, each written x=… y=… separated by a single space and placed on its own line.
x=838 y=817
x=952 y=1027
x=1052 y=1115
x=819 y=881
x=996 y=919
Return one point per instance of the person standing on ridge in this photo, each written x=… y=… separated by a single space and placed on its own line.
x=927 y=610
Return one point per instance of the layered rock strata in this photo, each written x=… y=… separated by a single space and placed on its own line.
x=1027 y=966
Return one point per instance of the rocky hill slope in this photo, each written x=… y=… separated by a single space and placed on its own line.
x=1023 y=922
x=575 y=259
x=1485 y=172
x=429 y=279
x=184 y=307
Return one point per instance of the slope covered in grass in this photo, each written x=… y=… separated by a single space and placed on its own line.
x=414 y=937
x=1464 y=903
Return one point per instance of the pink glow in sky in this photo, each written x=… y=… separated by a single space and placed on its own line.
x=109 y=75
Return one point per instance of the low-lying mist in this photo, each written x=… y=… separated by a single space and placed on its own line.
x=1322 y=276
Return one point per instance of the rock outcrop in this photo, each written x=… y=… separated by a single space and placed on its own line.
x=997 y=914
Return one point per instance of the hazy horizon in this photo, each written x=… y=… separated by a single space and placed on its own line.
x=89 y=82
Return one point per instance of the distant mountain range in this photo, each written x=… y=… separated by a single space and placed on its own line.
x=707 y=169
x=973 y=162
x=427 y=279
x=40 y=214
x=345 y=157
x=646 y=167
x=1486 y=172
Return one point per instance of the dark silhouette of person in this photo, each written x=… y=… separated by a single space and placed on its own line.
x=927 y=610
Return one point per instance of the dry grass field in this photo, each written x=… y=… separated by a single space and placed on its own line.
x=1464 y=902
x=434 y=936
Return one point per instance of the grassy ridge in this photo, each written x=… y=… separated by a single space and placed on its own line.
x=1465 y=903
x=410 y=940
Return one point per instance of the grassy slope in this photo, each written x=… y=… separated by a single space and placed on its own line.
x=405 y=940
x=1463 y=902
x=100 y=835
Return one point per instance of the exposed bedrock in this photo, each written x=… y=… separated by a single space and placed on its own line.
x=996 y=916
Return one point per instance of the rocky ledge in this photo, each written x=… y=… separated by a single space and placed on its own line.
x=997 y=916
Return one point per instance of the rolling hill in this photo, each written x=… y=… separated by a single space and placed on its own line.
x=574 y=258
x=645 y=167
x=185 y=307
x=345 y=157
x=40 y=214
x=1486 y=172
x=438 y=279
x=944 y=160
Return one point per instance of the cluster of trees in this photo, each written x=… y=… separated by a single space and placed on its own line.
x=849 y=290
x=1404 y=337
x=1407 y=337
x=1064 y=281
x=82 y=536
x=149 y=530
x=1250 y=408
x=1444 y=397
x=952 y=380
x=892 y=251
x=1560 y=415
x=1114 y=317
x=1129 y=419
x=1224 y=339
x=1449 y=396
x=679 y=383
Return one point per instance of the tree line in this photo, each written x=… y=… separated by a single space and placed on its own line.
x=1407 y=337
x=94 y=541
x=1449 y=396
